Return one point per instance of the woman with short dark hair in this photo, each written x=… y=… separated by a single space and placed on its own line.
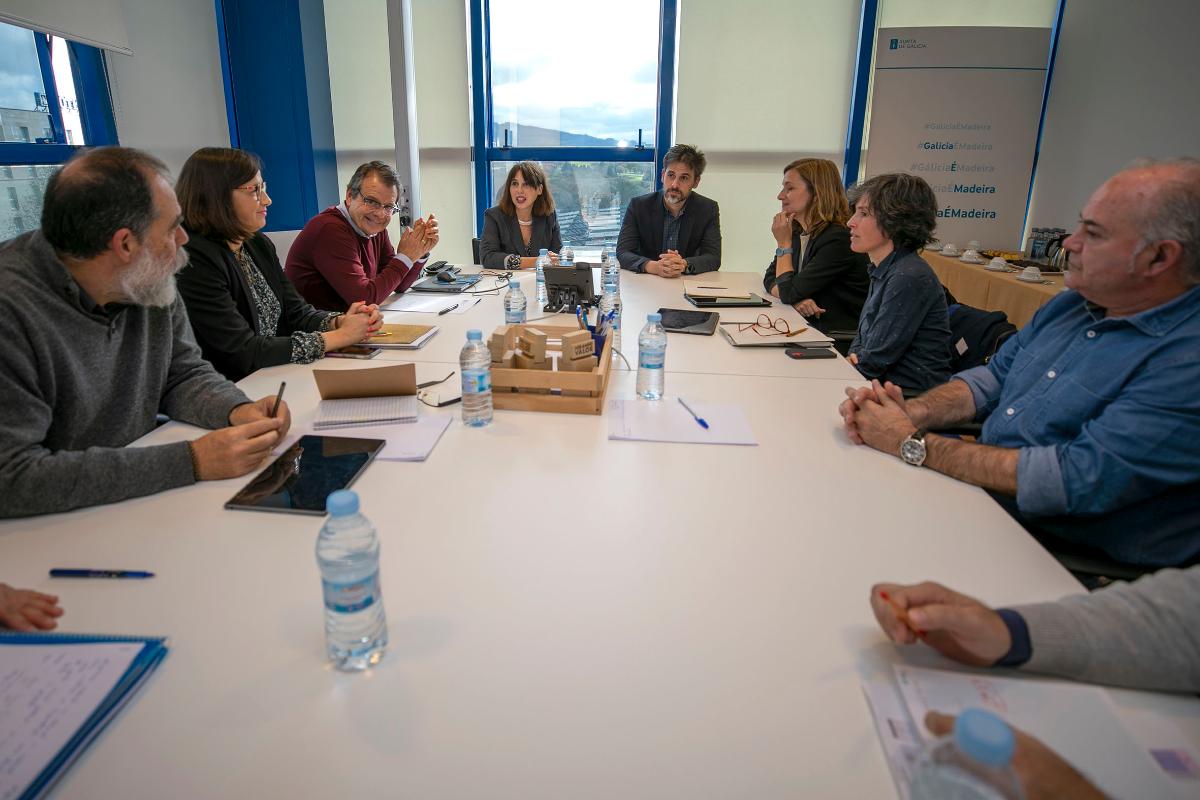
x=904 y=331
x=814 y=269
x=245 y=312
x=522 y=223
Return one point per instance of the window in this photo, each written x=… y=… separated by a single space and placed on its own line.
x=53 y=98
x=595 y=114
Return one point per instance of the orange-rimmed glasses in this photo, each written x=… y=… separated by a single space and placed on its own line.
x=765 y=326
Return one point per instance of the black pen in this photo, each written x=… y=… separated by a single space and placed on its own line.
x=448 y=310
x=99 y=573
x=278 y=398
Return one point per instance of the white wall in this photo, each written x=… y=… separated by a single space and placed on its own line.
x=168 y=97
x=360 y=87
x=759 y=85
x=443 y=83
x=1124 y=86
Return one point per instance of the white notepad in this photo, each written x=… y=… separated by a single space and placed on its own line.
x=668 y=421
x=354 y=411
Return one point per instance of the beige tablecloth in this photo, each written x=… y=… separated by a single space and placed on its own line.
x=993 y=291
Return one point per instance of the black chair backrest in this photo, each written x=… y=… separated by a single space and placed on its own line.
x=976 y=335
x=475 y=251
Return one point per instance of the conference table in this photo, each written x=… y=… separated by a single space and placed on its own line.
x=976 y=286
x=569 y=616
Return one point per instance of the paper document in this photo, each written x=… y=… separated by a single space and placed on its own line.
x=667 y=421
x=1078 y=721
x=712 y=288
x=419 y=302
x=46 y=695
x=411 y=442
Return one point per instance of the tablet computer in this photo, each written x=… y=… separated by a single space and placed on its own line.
x=703 y=323
x=753 y=301
x=299 y=480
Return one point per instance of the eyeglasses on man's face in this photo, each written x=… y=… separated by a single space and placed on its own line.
x=374 y=205
x=257 y=190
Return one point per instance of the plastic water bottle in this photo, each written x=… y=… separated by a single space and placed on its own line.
x=610 y=281
x=610 y=302
x=973 y=763
x=652 y=357
x=566 y=256
x=514 y=304
x=348 y=557
x=610 y=268
x=540 y=265
x=475 y=366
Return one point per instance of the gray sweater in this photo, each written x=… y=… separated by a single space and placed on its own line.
x=1143 y=635
x=78 y=383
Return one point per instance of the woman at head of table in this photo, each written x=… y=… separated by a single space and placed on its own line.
x=245 y=312
x=814 y=268
x=522 y=223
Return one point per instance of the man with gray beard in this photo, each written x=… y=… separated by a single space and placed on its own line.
x=97 y=343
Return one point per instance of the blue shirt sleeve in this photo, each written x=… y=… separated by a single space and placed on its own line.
x=1021 y=649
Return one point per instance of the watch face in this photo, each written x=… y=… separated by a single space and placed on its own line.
x=913 y=451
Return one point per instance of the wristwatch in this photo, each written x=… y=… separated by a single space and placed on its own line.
x=783 y=251
x=912 y=449
x=512 y=261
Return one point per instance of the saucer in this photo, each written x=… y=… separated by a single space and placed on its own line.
x=1038 y=279
x=934 y=247
x=991 y=268
x=950 y=253
x=966 y=260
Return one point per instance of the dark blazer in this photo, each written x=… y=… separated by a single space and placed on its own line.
x=222 y=312
x=641 y=236
x=502 y=237
x=832 y=274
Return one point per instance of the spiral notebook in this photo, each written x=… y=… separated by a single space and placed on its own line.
x=356 y=411
x=59 y=691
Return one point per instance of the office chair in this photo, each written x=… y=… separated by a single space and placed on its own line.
x=475 y=251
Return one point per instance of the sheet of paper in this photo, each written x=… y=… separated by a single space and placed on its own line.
x=415 y=301
x=1077 y=721
x=668 y=421
x=901 y=741
x=406 y=441
x=47 y=692
x=467 y=304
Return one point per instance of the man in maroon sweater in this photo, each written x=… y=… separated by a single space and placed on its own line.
x=344 y=255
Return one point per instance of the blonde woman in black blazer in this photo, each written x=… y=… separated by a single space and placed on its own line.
x=522 y=223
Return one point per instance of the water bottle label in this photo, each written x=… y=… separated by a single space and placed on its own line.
x=475 y=381
x=347 y=598
x=652 y=359
x=514 y=317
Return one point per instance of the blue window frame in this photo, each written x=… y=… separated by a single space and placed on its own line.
x=632 y=161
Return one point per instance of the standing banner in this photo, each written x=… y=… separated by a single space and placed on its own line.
x=960 y=107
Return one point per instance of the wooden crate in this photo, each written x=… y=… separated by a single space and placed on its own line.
x=514 y=389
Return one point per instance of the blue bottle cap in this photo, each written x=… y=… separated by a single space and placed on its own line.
x=654 y=318
x=474 y=335
x=543 y=252
x=342 y=503
x=513 y=283
x=984 y=737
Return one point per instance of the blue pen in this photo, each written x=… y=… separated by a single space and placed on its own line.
x=695 y=416
x=99 y=573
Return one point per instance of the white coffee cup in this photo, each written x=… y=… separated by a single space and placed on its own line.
x=1031 y=274
x=971 y=256
x=949 y=249
x=973 y=245
x=998 y=264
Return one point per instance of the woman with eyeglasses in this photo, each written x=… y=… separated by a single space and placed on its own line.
x=522 y=223
x=244 y=311
x=814 y=268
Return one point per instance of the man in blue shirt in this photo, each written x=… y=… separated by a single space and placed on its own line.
x=1092 y=411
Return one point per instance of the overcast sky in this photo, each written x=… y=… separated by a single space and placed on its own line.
x=20 y=75
x=585 y=68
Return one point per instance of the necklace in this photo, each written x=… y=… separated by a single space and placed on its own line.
x=524 y=224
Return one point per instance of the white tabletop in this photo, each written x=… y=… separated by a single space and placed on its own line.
x=569 y=616
x=640 y=295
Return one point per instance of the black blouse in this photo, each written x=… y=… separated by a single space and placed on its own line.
x=502 y=237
